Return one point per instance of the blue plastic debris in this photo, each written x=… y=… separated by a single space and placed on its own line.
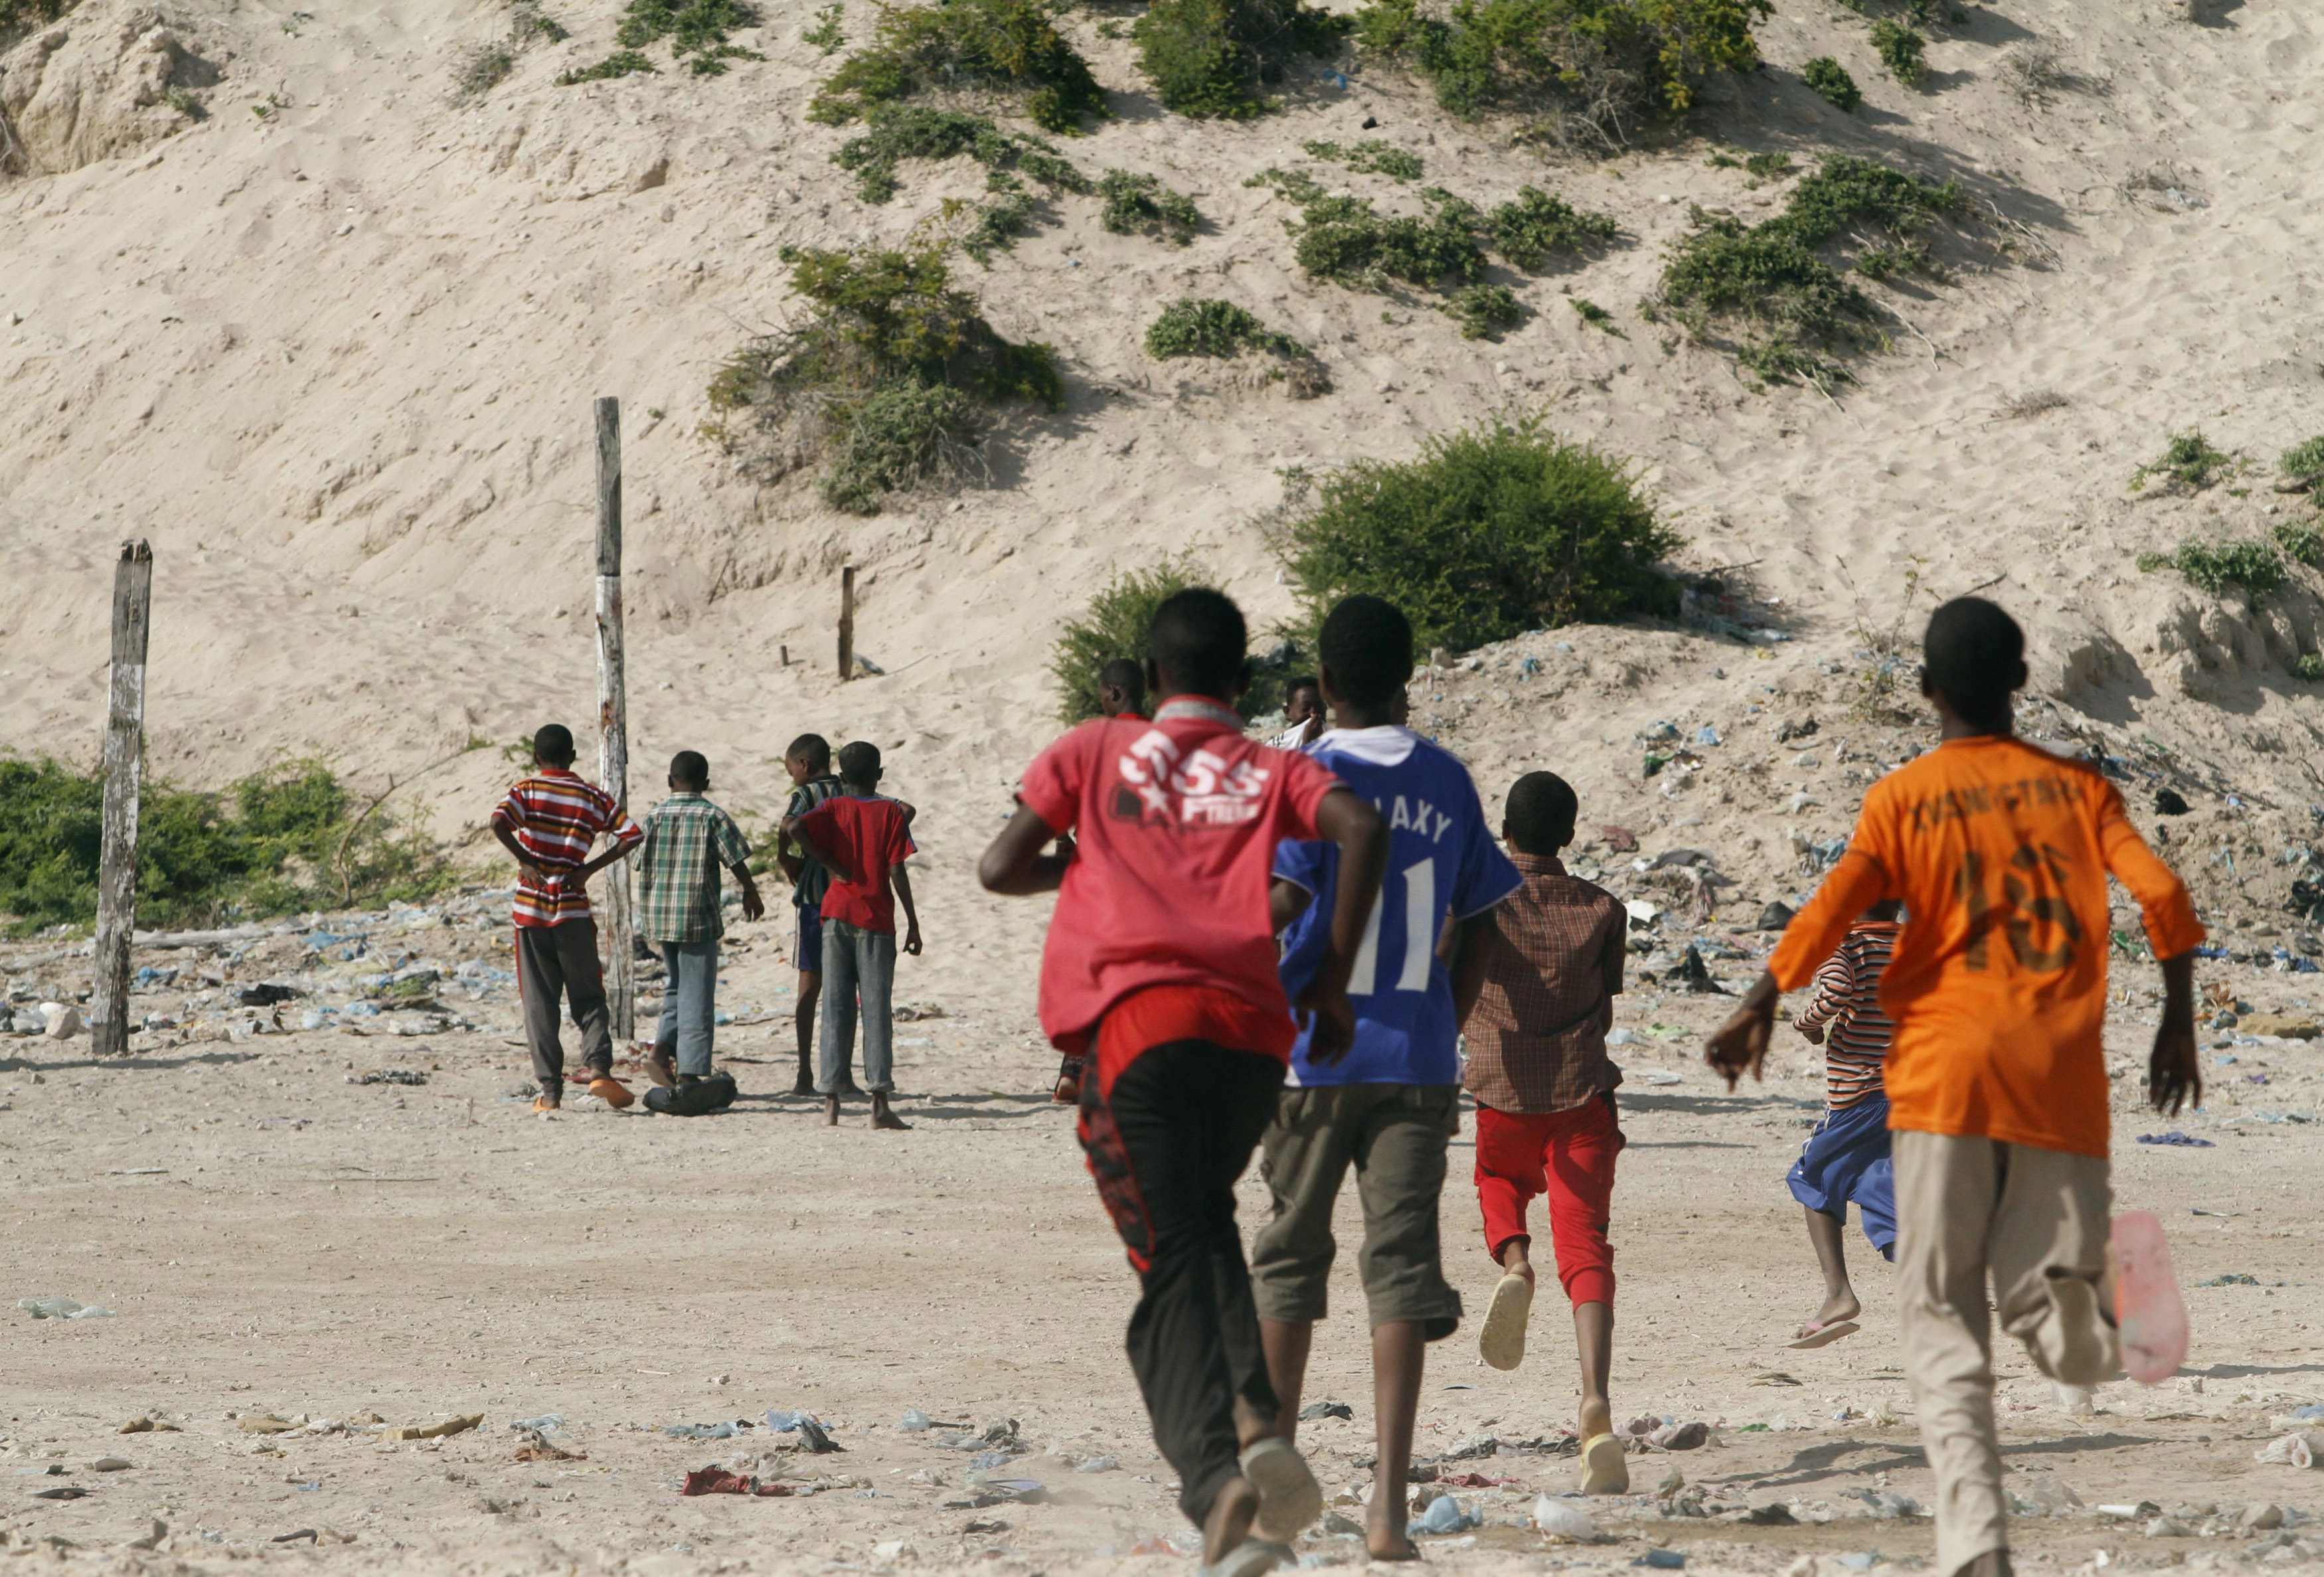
x=1662 y=1560
x=2184 y=1140
x=1444 y=1515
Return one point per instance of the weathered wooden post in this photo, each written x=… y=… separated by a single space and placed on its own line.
x=614 y=713
x=848 y=623
x=124 y=773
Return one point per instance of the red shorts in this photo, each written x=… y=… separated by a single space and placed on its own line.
x=1570 y=1156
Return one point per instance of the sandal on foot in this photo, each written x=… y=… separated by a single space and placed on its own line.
x=1605 y=1467
x=2147 y=1307
x=1813 y=1335
x=1289 y=1498
x=611 y=1091
x=1250 y=1558
x=1502 y=1342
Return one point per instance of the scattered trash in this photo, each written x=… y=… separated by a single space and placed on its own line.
x=2184 y=1140
x=2130 y=1512
x=389 y=1076
x=2304 y=1449
x=1776 y=917
x=266 y=994
x=719 y=1481
x=1097 y=1464
x=985 y=1492
x=915 y=1422
x=1315 y=1410
x=548 y=1423
x=1694 y=975
x=816 y=1442
x=2313 y=1410
x=293 y=1536
x=2169 y=802
x=1621 y=1037
x=2232 y=1279
x=1660 y=1077
x=460 y=1425
x=1444 y=1515
x=1620 y=839
x=726 y=1431
x=1662 y=1560
x=1691 y=1437
x=62 y=1308
x=1564 y=1520
x=62 y=1492
x=535 y=1447
x=2260 y=1518
x=61 y=1021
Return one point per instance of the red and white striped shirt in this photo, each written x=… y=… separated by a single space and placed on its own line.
x=1848 y=1002
x=557 y=818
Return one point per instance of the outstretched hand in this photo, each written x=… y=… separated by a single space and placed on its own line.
x=1740 y=1046
x=2174 y=1073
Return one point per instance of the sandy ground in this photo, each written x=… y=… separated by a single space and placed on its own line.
x=275 y=1240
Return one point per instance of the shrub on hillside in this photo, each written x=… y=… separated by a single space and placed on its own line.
x=2214 y=567
x=1372 y=156
x=2303 y=464
x=271 y=844
x=1114 y=626
x=1141 y=204
x=1900 y=50
x=1484 y=312
x=1598 y=70
x=898 y=133
x=1832 y=84
x=884 y=385
x=2187 y=461
x=2302 y=542
x=1531 y=226
x=1003 y=46
x=1345 y=240
x=1210 y=327
x=696 y=30
x=1215 y=59
x=1490 y=533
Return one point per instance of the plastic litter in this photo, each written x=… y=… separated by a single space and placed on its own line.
x=1690 y=1437
x=62 y=1308
x=459 y=1424
x=726 y=1431
x=2232 y=1279
x=1662 y=1560
x=548 y=1423
x=1315 y=1410
x=720 y=1481
x=1444 y=1515
x=2183 y=1141
x=412 y=1076
x=1097 y=1464
x=913 y=1422
x=1887 y=1504
x=2304 y=1449
x=1564 y=1520
x=2313 y=1410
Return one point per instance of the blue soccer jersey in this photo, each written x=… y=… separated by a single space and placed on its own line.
x=1442 y=863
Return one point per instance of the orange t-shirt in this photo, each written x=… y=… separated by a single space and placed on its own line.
x=1999 y=852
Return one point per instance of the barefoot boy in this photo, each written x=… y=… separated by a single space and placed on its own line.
x=1847 y=1157
x=1161 y=964
x=862 y=840
x=688 y=841
x=1388 y=1107
x=1539 y=994
x=808 y=762
x=548 y=823
x=1997 y=1082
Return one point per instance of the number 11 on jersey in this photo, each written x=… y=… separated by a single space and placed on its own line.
x=1419 y=938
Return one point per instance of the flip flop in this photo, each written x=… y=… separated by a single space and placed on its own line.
x=1249 y=1559
x=1813 y=1336
x=1605 y=1468
x=2148 y=1308
x=1502 y=1342
x=1289 y=1498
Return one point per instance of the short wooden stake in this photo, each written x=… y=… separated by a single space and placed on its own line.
x=848 y=623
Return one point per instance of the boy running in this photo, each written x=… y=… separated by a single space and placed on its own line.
x=808 y=762
x=1160 y=964
x=1996 y=1081
x=1539 y=997
x=548 y=824
x=1847 y=1156
x=688 y=839
x=1387 y=1108
x=862 y=840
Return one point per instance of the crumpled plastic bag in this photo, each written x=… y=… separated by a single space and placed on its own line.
x=720 y=1481
x=2301 y=1449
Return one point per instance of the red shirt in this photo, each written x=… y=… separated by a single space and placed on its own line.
x=1177 y=822
x=870 y=836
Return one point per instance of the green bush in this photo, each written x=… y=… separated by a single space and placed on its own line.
x=1598 y=70
x=2304 y=463
x=2309 y=666
x=1597 y=317
x=896 y=133
x=883 y=383
x=1345 y=240
x=1770 y=280
x=1215 y=59
x=1210 y=327
x=269 y=845
x=2303 y=543
x=2214 y=567
x=1369 y=157
x=1137 y=204
x=1831 y=83
x=1490 y=533
x=1768 y=166
x=697 y=31
x=1116 y=625
x=481 y=69
x=621 y=63
x=829 y=34
x=1900 y=50
x=1528 y=229
x=23 y=16
x=1484 y=312
x=1004 y=46
x=2187 y=461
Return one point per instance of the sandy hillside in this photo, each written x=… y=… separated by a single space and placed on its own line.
x=335 y=360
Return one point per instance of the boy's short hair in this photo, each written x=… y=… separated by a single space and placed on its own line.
x=1366 y=644
x=859 y=762
x=811 y=748
x=552 y=742
x=1304 y=682
x=1974 y=655
x=1540 y=813
x=1124 y=674
x=1199 y=643
x=689 y=770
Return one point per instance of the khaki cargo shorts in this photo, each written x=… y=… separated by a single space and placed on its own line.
x=1395 y=1135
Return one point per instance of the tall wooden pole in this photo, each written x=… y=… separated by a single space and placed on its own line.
x=848 y=623
x=614 y=713
x=124 y=774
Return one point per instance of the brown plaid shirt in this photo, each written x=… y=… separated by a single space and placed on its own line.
x=1553 y=969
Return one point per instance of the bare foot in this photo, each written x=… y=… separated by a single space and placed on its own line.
x=883 y=1116
x=831 y=1110
x=1597 y=1418
x=659 y=1068
x=1839 y=1307
x=1384 y=1535
x=1231 y=1518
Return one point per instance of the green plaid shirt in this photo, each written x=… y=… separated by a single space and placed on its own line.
x=688 y=839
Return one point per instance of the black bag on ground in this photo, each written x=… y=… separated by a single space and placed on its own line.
x=698 y=1099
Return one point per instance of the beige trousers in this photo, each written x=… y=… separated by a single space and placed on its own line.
x=2037 y=1220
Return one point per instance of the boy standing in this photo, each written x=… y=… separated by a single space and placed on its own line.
x=1541 y=990
x=1302 y=715
x=863 y=841
x=1847 y=1156
x=1121 y=691
x=1160 y=964
x=808 y=762
x=1388 y=1107
x=688 y=839
x=548 y=823
x=1997 y=1082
